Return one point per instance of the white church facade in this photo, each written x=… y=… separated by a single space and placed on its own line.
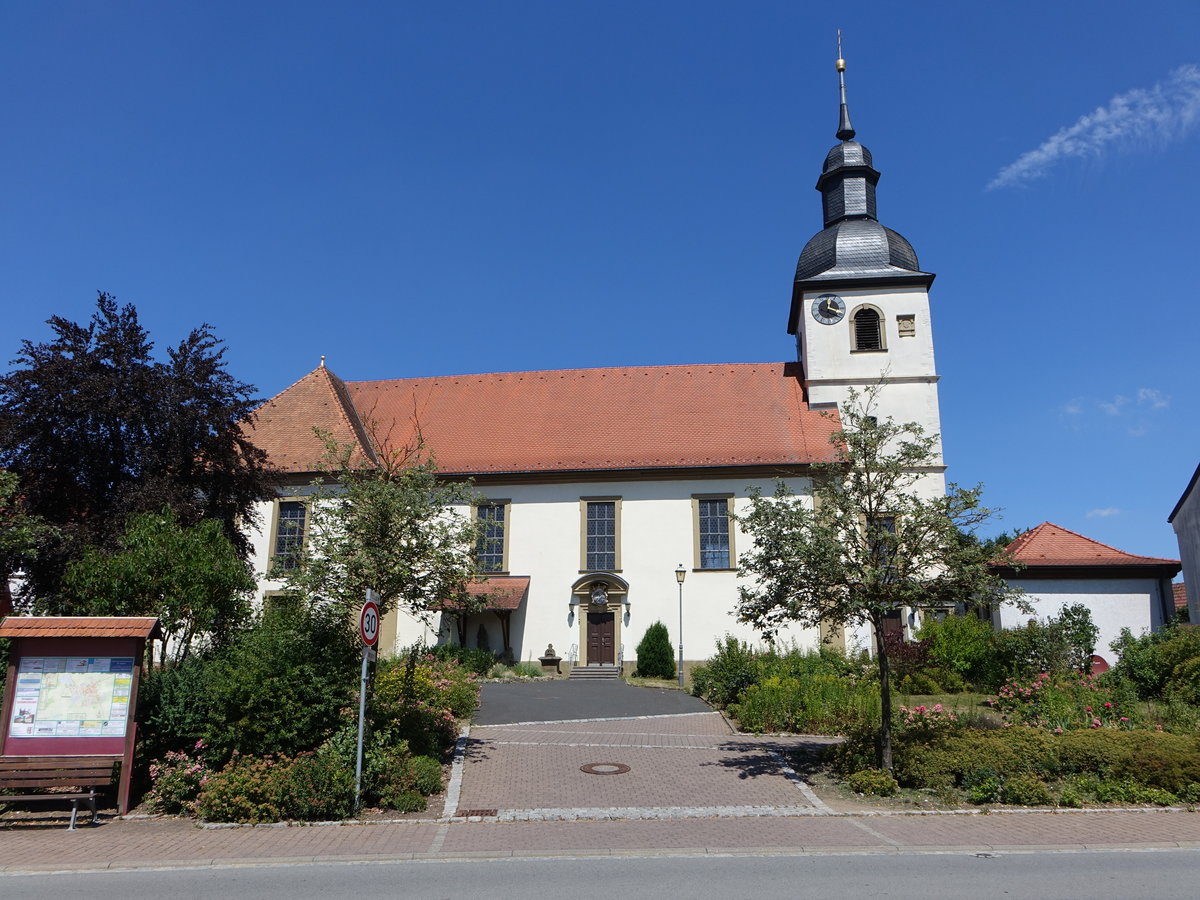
x=596 y=485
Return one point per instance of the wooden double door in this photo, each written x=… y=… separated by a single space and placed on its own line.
x=601 y=638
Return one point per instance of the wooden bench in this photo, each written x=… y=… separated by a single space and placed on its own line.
x=84 y=773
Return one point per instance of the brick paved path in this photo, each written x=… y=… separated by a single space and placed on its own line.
x=679 y=766
x=693 y=787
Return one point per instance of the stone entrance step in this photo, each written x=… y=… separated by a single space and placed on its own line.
x=595 y=672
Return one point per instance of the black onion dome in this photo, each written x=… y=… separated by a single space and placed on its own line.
x=856 y=248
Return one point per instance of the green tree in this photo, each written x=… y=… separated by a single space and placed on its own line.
x=191 y=578
x=21 y=535
x=98 y=429
x=384 y=520
x=864 y=541
x=654 y=655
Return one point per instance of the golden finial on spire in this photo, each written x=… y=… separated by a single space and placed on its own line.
x=841 y=63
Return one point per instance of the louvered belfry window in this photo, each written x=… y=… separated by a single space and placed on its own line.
x=867 y=330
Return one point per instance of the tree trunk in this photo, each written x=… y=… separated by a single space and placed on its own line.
x=885 y=695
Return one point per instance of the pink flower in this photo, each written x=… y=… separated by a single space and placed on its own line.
x=1089 y=709
x=1108 y=706
x=1095 y=723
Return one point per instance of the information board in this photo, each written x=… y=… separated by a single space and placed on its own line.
x=71 y=697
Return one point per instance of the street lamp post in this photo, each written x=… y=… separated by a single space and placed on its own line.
x=680 y=574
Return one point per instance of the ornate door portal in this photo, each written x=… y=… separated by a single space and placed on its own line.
x=601 y=633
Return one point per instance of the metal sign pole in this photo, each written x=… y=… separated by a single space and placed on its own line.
x=368 y=626
x=362 y=718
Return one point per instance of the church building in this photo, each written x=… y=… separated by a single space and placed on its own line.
x=597 y=485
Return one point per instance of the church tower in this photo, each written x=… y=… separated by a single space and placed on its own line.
x=860 y=302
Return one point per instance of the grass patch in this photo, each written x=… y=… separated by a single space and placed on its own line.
x=666 y=684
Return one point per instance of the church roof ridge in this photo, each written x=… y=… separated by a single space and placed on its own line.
x=584 y=370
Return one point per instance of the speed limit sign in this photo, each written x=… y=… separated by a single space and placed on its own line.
x=368 y=622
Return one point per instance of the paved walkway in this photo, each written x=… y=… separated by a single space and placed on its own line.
x=649 y=767
x=692 y=786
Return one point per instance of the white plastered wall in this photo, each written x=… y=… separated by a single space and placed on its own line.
x=907 y=366
x=1132 y=603
x=656 y=535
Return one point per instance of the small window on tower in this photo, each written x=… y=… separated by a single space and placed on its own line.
x=866 y=329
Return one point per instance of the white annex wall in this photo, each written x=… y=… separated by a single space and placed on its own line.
x=1133 y=603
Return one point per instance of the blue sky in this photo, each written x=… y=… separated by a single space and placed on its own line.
x=420 y=189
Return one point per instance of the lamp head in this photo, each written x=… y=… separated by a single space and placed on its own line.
x=680 y=573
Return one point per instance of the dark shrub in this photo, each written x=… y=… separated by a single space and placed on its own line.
x=723 y=678
x=473 y=659
x=960 y=644
x=654 y=656
x=282 y=686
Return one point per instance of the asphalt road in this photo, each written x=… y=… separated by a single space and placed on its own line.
x=1087 y=875
x=548 y=701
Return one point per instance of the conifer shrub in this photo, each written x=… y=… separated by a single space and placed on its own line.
x=654 y=655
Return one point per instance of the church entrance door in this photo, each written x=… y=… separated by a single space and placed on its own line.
x=601 y=633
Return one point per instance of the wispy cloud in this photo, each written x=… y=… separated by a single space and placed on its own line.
x=1103 y=513
x=1134 y=412
x=1135 y=120
x=1152 y=398
x=1114 y=406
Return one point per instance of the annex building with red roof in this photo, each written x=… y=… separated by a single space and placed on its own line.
x=1057 y=567
x=596 y=484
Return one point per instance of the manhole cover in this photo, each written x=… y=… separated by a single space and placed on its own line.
x=605 y=768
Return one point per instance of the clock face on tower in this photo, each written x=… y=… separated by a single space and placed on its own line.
x=828 y=309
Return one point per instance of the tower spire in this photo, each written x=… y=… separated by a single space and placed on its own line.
x=845 y=130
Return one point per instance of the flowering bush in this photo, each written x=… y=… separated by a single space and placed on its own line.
x=1061 y=704
x=177 y=779
x=927 y=719
x=419 y=699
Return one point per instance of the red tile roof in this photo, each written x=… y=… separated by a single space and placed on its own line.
x=501 y=591
x=79 y=626
x=561 y=421
x=1053 y=545
x=284 y=425
x=1179 y=595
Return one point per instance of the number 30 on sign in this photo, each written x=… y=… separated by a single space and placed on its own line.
x=368 y=623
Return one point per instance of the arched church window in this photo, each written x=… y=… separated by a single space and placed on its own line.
x=866 y=329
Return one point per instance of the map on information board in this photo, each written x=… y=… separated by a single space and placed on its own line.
x=71 y=696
